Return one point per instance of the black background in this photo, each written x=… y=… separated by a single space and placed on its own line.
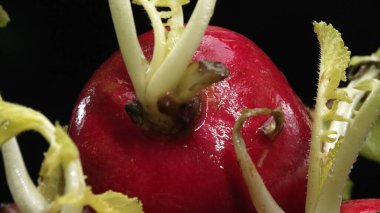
x=51 y=48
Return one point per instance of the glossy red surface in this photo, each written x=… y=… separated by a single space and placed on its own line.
x=195 y=171
x=9 y=208
x=361 y=206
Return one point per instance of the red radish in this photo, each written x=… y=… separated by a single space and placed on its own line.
x=168 y=142
x=9 y=208
x=361 y=206
x=194 y=169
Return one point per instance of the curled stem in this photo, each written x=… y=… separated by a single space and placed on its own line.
x=260 y=196
x=22 y=188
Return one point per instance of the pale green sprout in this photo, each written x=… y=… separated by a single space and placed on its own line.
x=329 y=167
x=173 y=49
x=347 y=110
x=371 y=148
x=4 y=17
x=62 y=185
x=333 y=63
x=342 y=120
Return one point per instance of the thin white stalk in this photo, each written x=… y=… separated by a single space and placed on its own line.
x=24 y=192
x=133 y=56
x=74 y=184
x=176 y=62
x=160 y=45
x=330 y=197
x=176 y=24
x=177 y=17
